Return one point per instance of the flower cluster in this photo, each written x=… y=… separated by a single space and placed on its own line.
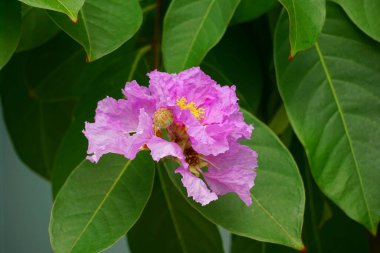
x=188 y=117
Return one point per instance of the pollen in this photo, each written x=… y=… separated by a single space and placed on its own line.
x=197 y=112
x=162 y=118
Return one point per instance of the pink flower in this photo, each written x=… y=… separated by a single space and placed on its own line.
x=188 y=117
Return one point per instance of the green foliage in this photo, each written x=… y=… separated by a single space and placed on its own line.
x=10 y=29
x=41 y=101
x=306 y=19
x=74 y=145
x=36 y=29
x=319 y=107
x=175 y=226
x=364 y=13
x=237 y=63
x=249 y=10
x=325 y=91
x=116 y=191
x=102 y=26
x=263 y=220
x=191 y=29
x=68 y=7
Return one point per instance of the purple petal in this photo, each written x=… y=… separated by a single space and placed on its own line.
x=118 y=128
x=143 y=134
x=196 y=188
x=161 y=148
x=114 y=120
x=196 y=86
x=139 y=97
x=163 y=88
x=233 y=171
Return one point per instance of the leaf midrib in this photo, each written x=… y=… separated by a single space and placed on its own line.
x=89 y=55
x=274 y=220
x=67 y=9
x=195 y=37
x=101 y=204
x=347 y=133
x=295 y=23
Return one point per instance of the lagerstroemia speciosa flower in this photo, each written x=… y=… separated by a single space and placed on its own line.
x=188 y=117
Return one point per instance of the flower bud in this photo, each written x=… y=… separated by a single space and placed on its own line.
x=162 y=118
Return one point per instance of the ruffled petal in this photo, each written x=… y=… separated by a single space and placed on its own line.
x=240 y=128
x=233 y=171
x=143 y=133
x=118 y=128
x=205 y=139
x=196 y=188
x=139 y=97
x=163 y=88
x=194 y=85
x=161 y=148
x=110 y=133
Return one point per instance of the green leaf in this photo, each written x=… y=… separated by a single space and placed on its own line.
x=306 y=22
x=100 y=202
x=325 y=229
x=36 y=29
x=331 y=95
x=108 y=78
x=68 y=7
x=174 y=226
x=191 y=29
x=237 y=63
x=38 y=99
x=341 y=234
x=365 y=14
x=102 y=26
x=241 y=244
x=42 y=87
x=161 y=235
x=276 y=214
x=251 y=9
x=10 y=29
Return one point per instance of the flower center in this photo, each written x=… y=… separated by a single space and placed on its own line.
x=162 y=118
x=197 y=112
x=191 y=157
x=195 y=161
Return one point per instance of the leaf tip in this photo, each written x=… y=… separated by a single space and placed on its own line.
x=303 y=249
x=74 y=19
x=292 y=54
x=88 y=58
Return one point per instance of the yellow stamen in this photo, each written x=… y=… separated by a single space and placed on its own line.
x=198 y=112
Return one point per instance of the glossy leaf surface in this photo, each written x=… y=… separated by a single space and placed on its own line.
x=191 y=29
x=174 y=226
x=10 y=29
x=306 y=21
x=68 y=7
x=102 y=26
x=278 y=183
x=116 y=191
x=365 y=14
x=331 y=95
